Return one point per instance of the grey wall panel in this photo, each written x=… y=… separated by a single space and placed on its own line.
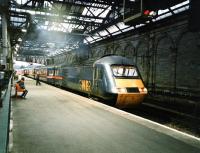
x=188 y=62
x=141 y=57
x=164 y=63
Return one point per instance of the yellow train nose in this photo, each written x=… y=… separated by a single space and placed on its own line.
x=129 y=99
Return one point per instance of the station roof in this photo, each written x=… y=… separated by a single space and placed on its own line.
x=49 y=27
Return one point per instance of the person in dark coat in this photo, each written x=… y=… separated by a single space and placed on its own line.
x=38 y=79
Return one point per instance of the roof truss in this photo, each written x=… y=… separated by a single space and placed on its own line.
x=81 y=21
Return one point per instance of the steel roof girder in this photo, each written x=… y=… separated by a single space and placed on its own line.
x=71 y=21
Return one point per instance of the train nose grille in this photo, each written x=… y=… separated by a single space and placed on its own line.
x=134 y=89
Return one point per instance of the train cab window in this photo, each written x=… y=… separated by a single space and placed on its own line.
x=124 y=71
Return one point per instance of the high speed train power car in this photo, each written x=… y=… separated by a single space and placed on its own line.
x=112 y=78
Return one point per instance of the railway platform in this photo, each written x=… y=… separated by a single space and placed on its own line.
x=51 y=120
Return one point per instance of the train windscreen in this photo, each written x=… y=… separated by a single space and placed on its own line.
x=124 y=71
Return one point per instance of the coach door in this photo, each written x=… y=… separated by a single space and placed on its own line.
x=97 y=80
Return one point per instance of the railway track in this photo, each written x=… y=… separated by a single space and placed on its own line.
x=172 y=118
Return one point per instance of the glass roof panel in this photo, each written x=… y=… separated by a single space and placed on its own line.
x=181 y=9
x=96 y=11
x=112 y=29
x=104 y=14
x=116 y=33
x=21 y=1
x=162 y=11
x=139 y=25
x=121 y=25
x=17 y=19
x=179 y=5
x=127 y=29
x=85 y=41
x=163 y=14
x=85 y=11
x=99 y=20
x=46 y=23
x=44 y=27
x=99 y=39
x=95 y=37
x=89 y=39
x=103 y=33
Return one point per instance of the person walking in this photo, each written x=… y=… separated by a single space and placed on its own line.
x=38 y=79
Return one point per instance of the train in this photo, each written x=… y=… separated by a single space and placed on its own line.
x=113 y=78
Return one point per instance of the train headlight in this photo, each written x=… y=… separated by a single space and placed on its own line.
x=121 y=90
x=143 y=90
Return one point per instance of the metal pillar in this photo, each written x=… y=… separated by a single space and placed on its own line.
x=4 y=39
x=10 y=54
x=6 y=55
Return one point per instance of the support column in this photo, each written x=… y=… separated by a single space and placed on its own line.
x=7 y=52
x=4 y=52
x=10 y=54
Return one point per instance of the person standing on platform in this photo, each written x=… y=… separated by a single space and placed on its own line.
x=38 y=79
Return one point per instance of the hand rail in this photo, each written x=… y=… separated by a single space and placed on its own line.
x=5 y=118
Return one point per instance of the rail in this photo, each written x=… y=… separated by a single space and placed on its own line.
x=5 y=118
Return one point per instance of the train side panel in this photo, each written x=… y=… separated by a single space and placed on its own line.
x=77 y=78
x=102 y=83
x=43 y=74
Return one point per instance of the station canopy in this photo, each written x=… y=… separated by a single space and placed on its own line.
x=50 y=27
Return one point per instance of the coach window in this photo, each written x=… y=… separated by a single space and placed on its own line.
x=56 y=71
x=98 y=73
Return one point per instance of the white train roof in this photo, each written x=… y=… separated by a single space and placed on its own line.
x=114 y=59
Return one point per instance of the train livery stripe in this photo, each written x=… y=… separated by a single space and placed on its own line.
x=58 y=77
x=55 y=77
x=43 y=75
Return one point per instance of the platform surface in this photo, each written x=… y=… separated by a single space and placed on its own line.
x=52 y=120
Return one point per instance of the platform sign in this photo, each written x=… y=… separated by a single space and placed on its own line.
x=133 y=9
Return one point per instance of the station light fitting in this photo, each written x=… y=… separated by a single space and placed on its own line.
x=17 y=45
x=19 y=39
x=24 y=30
